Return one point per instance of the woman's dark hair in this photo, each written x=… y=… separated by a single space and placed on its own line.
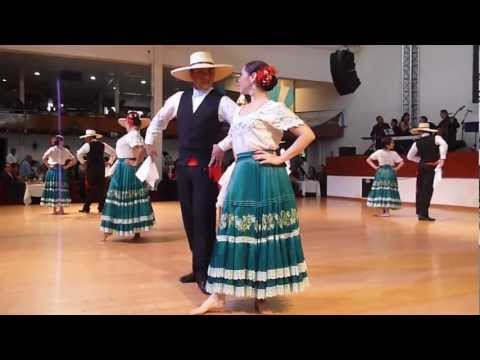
x=444 y=112
x=386 y=141
x=56 y=140
x=395 y=120
x=257 y=65
x=134 y=118
x=423 y=119
x=404 y=115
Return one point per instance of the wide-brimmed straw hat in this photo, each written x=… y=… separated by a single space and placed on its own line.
x=202 y=60
x=91 y=133
x=422 y=127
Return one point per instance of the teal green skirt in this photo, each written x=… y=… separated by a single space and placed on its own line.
x=258 y=252
x=384 y=192
x=56 y=192
x=127 y=209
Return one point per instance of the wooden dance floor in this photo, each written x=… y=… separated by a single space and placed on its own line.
x=357 y=263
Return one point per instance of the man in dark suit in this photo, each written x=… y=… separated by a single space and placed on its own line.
x=12 y=189
x=199 y=112
x=378 y=131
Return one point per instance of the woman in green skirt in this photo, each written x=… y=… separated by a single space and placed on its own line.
x=56 y=193
x=384 y=193
x=127 y=209
x=258 y=252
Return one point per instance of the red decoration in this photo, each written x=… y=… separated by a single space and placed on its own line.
x=265 y=76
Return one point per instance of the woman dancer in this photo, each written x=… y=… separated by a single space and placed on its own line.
x=384 y=193
x=56 y=193
x=127 y=210
x=258 y=252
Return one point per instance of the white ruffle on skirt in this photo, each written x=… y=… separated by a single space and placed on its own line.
x=223 y=182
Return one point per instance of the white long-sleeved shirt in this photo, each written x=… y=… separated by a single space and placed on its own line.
x=11 y=159
x=169 y=111
x=86 y=148
x=412 y=154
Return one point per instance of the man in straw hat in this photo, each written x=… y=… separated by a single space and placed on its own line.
x=199 y=112
x=92 y=154
x=430 y=152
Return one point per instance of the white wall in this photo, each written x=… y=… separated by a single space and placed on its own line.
x=450 y=191
x=446 y=82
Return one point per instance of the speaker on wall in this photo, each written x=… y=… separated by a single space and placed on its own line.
x=344 y=75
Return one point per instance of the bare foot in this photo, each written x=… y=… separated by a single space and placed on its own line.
x=213 y=304
x=262 y=307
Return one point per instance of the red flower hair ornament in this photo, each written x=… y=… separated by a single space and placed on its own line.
x=265 y=76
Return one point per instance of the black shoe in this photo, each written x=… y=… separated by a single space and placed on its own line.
x=86 y=211
x=190 y=278
x=425 y=218
x=201 y=285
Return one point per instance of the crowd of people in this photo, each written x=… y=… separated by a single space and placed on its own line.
x=447 y=128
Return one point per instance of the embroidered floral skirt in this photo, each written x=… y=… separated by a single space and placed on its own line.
x=56 y=191
x=384 y=192
x=258 y=252
x=127 y=207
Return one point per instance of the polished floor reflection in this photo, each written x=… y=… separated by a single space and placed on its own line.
x=358 y=263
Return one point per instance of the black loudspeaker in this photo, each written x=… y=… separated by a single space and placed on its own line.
x=344 y=75
x=70 y=75
x=347 y=151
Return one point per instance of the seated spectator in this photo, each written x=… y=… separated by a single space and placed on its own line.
x=26 y=170
x=12 y=190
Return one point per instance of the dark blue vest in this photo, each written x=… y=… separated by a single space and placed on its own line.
x=199 y=131
x=427 y=150
x=95 y=157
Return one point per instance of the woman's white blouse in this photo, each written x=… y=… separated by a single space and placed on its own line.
x=57 y=155
x=262 y=129
x=386 y=157
x=125 y=145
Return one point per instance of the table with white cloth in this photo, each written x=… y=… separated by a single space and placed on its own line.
x=32 y=190
x=310 y=186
